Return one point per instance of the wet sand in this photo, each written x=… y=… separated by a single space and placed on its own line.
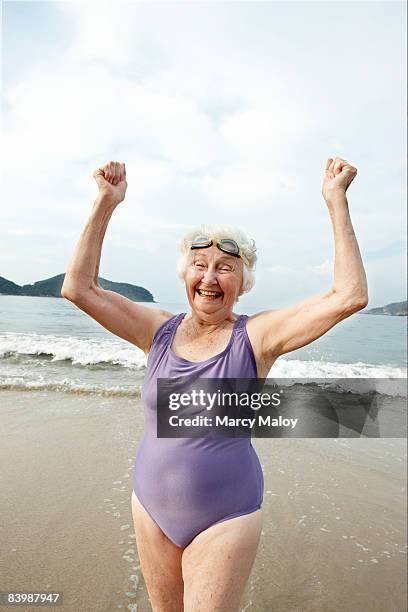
x=334 y=536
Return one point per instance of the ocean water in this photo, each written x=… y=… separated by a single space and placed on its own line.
x=48 y=343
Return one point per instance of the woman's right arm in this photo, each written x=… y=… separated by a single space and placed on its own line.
x=121 y=316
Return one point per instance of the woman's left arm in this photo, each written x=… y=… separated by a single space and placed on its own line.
x=285 y=330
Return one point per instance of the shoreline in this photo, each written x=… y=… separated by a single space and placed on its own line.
x=334 y=533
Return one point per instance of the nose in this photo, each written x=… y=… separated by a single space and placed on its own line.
x=210 y=276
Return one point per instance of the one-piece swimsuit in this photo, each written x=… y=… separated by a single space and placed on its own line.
x=189 y=484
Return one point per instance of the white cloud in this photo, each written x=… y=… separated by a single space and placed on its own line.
x=324 y=268
x=221 y=110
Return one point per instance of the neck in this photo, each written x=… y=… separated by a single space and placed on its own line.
x=207 y=323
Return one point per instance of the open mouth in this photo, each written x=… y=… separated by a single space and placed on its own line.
x=212 y=295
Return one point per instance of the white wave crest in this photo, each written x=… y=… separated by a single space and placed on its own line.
x=79 y=351
x=295 y=368
x=67 y=386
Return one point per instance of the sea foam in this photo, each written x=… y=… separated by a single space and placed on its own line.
x=79 y=351
x=296 y=368
x=32 y=361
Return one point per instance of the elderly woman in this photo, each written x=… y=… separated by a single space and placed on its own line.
x=196 y=506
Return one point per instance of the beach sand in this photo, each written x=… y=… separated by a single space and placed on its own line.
x=334 y=535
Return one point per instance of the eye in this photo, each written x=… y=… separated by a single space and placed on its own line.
x=199 y=264
x=225 y=269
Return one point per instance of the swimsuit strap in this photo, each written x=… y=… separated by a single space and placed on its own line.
x=241 y=346
x=166 y=328
x=239 y=334
x=163 y=336
x=241 y=322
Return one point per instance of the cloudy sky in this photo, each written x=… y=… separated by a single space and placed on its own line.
x=224 y=112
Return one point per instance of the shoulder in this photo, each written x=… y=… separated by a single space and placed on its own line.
x=166 y=314
x=257 y=325
x=258 y=321
x=161 y=318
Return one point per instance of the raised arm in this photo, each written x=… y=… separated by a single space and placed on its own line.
x=281 y=331
x=123 y=317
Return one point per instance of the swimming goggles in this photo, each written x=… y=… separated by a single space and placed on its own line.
x=227 y=245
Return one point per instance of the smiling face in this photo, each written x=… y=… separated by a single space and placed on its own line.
x=213 y=282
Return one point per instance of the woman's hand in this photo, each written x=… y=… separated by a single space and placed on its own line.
x=111 y=180
x=337 y=177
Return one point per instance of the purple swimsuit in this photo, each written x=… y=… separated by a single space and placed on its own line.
x=188 y=484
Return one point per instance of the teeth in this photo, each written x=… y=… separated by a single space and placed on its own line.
x=208 y=293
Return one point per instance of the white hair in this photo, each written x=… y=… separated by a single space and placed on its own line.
x=216 y=233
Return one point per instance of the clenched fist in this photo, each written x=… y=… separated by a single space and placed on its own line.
x=111 y=180
x=338 y=175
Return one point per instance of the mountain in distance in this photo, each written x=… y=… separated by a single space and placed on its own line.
x=397 y=309
x=51 y=287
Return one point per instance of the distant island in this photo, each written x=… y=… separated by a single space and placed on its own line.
x=51 y=287
x=396 y=309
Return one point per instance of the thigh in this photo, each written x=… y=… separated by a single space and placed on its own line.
x=160 y=561
x=217 y=563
